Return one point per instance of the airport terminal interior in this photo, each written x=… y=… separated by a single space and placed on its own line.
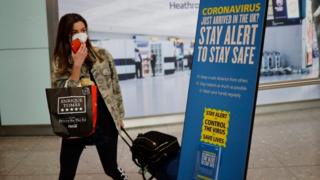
x=285 y=142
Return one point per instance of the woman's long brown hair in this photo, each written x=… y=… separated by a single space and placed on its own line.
x=62 y=50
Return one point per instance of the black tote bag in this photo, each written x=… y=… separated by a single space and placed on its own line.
x=73 y=111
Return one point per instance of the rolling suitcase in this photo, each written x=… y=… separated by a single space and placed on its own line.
x=156 y=153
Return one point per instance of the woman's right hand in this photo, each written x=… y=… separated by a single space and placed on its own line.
x=80 y=56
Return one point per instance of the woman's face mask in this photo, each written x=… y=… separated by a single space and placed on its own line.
x=81 y=36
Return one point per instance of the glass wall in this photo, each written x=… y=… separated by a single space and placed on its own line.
x=167 y=28
x=290 y=49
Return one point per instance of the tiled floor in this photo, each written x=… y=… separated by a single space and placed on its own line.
x=285 y=146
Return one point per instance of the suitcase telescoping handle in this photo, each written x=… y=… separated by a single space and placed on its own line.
x=124 y=139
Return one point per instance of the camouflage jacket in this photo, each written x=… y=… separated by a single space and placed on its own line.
x=106 y=79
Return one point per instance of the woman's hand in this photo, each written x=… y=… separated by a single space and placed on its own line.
x=121 y=124
x=80 y=56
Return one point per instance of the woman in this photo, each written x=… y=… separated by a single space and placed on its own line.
x=73 y=69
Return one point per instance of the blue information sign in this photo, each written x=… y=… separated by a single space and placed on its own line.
x=223 y=89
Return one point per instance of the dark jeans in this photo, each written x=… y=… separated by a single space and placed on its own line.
x=153 y=65
x=105 y=138
x=70 y=155
x=138 y=68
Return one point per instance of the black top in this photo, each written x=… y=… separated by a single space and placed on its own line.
x=105 y=128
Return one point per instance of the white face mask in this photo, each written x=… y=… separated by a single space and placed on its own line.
x=81 y=36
